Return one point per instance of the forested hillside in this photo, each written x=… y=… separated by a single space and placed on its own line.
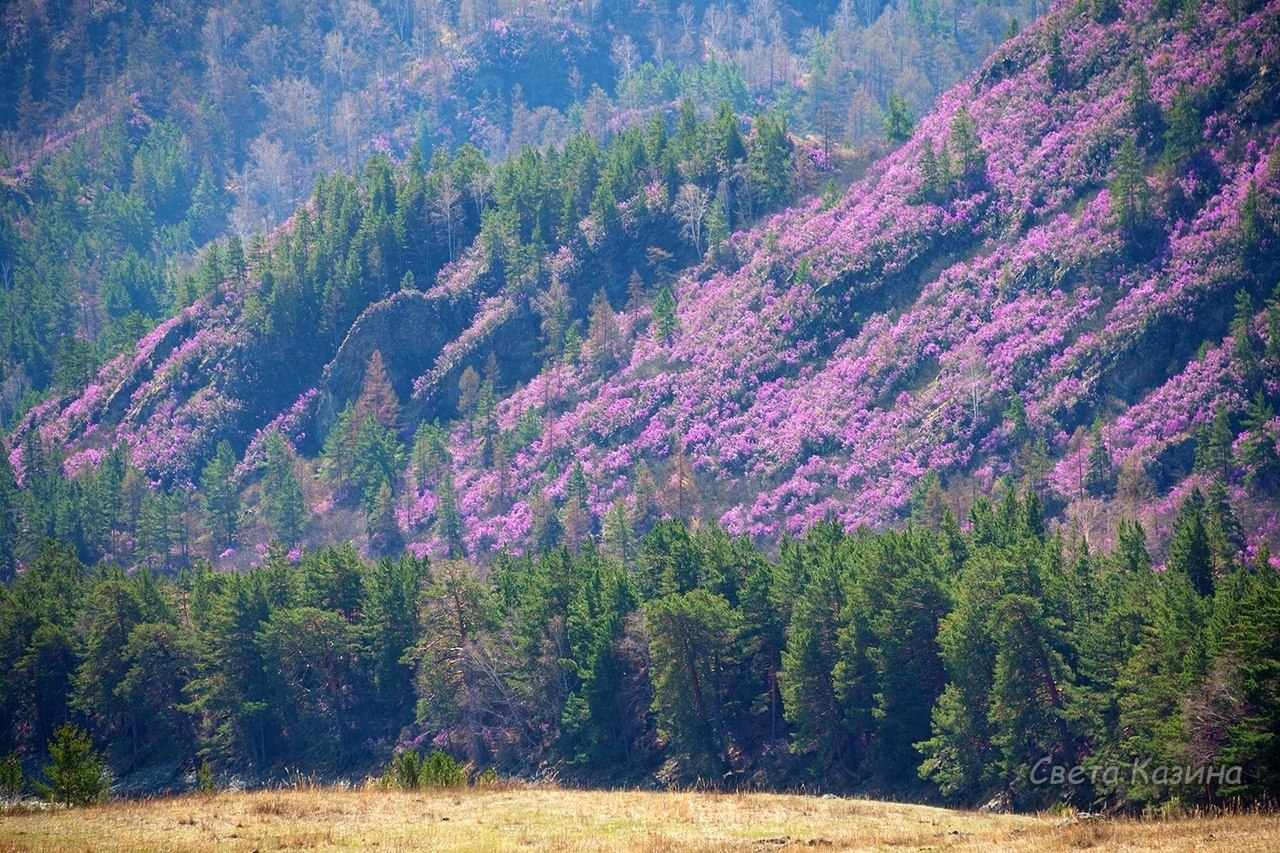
x=684 y=432
x=132 y=134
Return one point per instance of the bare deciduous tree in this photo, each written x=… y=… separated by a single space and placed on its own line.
x=690 y=207
x=446 y=209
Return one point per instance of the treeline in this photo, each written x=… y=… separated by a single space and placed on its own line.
x=397 y=226
x=935 y=660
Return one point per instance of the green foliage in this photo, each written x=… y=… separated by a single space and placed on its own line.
x=1100 y=474
x=206 y=782
x=11 y=781
x=898 y=121
x=76 y=774
x=1258 y=453
x=1129 y=192
x=220 y=496
x=691 y=636
x=665 y=321
x=1183 y=127
x=1214 y=441
x=409 y=770
x=849 y=659
x=286 y=509
x=769 y=159
x=1190 y=553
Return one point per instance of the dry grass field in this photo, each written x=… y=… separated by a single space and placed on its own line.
x=534 y=818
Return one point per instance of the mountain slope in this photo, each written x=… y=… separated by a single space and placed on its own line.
x=1060 y=243
x=830 y=358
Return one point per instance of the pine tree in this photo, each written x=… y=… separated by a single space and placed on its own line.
x=966 y=149
x=1258 y=452
x=448 y=521
x=898 y=121
x=76 y=775
x=154 y=527
x=553 y=307
x=1244 y=353
x=665 y=321
x=113 y=610
x=1226 y=536
x=691 y=636
x=769 y=161
x=1100 y=475
x=930 y=181
x=1056 y=68
x=377 y=460
x=1130 y=194
x=220 y=497
x=1251 y=222
x=339 y=449
x=618 y=534
x=286 y=508
x=1213 y=446
x=1190 y=553
x=1183 y=128
x=717 y=223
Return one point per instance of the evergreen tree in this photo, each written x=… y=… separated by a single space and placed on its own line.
x=220 y=496
x=1226 y=536
x=160 y=665
x=316 y=677
x=1130 y=194
x=457 y=617
x=1100 y=475
x=665 y=321
x=390 y=611
x=691 y=636
x=1144 y=110
x=1258 y=452
x=286 y=509
x=1056 y=67
x=1213 y=446
x=769 y=162
x=898 y=121
x=1182 y=135
x=377 y=397
x=231 y=693
x=1244 y=353
x=154 y=527
x=966 y=150
x=383 y=529
x=1168 y=659
x=377 y=460
x=448 y=521
x=76 y=774
x=1190 y=553
x=1251 y=221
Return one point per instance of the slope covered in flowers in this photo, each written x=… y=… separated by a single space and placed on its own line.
x=830 y=358
x=1057 y=282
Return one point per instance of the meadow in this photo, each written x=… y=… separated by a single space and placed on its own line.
x=545 y=818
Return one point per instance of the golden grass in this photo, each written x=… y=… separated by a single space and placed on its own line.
x=536 y=818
